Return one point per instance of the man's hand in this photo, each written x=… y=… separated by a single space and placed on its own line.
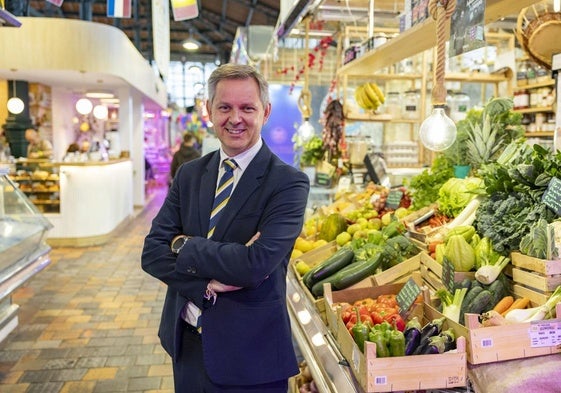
x=217 y=286
x=253 y=239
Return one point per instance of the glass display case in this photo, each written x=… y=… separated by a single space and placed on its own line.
x=23 y=250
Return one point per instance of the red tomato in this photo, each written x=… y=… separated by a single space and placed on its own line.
x=376 y=317
x=389 y=300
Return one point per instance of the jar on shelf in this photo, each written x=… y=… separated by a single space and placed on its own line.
x=393 y=104
x=522 y=74
x=521 y=99
x=411 y=108
x=460 y=104
x=542 y=74
x=530 y=73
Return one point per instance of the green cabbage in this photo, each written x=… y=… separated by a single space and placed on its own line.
x=455 y=194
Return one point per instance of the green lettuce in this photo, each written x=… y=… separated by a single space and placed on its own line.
x=455 y=194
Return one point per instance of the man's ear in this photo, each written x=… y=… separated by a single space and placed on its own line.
x=267 y=113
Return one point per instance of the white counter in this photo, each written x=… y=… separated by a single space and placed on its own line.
x=95 y=198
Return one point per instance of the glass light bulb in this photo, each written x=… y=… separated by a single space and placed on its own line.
x=100 y=112
x=84 y=106
x=306 y=130
x=15 y=105
x=438 y=131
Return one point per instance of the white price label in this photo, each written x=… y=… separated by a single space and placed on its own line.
x=545 y=333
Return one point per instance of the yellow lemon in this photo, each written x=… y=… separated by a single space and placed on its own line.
x=295 y=253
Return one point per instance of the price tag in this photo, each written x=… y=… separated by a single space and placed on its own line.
x=448 y=273
x=408 y=294
x=545 y=333
x=552 y=195
x=394 y=199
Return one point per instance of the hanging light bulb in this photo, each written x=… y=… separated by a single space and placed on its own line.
x=306 y=130
x=438 y=131
x=556 y=5
x=15 y=104
x=100 y=112
x=84 y=106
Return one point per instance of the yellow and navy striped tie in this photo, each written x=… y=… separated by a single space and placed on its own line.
x=222 y=194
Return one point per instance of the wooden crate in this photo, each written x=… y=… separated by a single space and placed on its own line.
x=431 y=271
x=499 y=343
x=416 y=372
x=398 y=274
x=312 y=258
x=534 y=278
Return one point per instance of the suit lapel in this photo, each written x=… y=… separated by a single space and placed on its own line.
x=206 y=193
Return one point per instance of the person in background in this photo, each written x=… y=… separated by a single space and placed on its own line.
x=186 y=153
x=225 y=321
x=37 y=147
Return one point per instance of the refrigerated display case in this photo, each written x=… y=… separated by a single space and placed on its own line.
x=23 y=250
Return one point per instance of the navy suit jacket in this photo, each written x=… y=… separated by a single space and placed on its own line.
x=246 y=334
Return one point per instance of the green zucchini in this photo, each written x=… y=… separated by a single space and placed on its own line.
x=356 y=272
x=341 y=258
x=470 y=295
x=480 y=303
x=498 y=289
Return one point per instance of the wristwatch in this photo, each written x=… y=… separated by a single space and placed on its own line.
x=178 y=243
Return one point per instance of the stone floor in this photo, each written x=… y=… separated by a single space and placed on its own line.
x=88 y=322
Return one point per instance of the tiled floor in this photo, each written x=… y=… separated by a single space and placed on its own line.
x=88 y=322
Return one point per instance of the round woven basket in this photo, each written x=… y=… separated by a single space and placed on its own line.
x=538 y=29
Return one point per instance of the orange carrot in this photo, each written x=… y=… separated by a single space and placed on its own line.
x=519 y=303
x=504 y=304
x=432 y=246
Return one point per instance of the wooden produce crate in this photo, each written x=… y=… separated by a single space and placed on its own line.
x=499 y=343
x=534 y=278
x=312 y=258
x=399 y=274
x=431 y=271
x=416 y=372
x=412 y=220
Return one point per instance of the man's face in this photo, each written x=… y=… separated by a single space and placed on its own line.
x=237 y=114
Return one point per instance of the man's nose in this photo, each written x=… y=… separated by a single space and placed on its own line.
x=234 y=116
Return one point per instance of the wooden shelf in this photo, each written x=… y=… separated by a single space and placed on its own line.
x=535 y=110
x=540 y=134
x=535 y=85
x=420 y=38
x=367 y=117
x=475 y=77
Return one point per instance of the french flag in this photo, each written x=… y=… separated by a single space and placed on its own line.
x=119 y=8
x=184 y=9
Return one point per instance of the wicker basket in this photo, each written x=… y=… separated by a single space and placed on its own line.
x=537 y=30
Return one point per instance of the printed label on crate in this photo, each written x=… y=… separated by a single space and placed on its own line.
x=448 y=272
x=552 y=196
x=408 y=294
x=545 y=333
x=380 y=380
x=486 y=342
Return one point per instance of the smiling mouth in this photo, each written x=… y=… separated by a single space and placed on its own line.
x=234 y=131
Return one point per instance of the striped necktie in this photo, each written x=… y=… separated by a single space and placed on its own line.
x=222 y=194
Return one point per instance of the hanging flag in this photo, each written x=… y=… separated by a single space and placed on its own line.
x=58 y=3
x=119 y=8
x=184 y=9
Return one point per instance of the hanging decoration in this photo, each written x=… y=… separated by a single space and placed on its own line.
x=118 y=8
x=184 y=9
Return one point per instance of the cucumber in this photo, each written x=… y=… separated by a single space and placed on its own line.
x=356 y=272
x=330 y=266
x=465 y=283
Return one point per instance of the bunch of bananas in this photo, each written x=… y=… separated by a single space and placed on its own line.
x=369 y=96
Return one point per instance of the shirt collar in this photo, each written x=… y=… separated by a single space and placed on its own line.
x=244 y=158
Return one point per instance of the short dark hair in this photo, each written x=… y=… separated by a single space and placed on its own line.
x=188 y=137
x=238 y=71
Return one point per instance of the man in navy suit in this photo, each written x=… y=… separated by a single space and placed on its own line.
x=225 y=321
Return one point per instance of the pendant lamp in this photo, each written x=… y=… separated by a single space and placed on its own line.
x=15 y=104
x=438 y=131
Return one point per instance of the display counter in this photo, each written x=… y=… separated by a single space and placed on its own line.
x=85 y=200
x=23 y=251
x=95 y=198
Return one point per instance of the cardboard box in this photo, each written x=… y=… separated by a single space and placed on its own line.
x=534 y=278
x=431 y=271
x=416 y=372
